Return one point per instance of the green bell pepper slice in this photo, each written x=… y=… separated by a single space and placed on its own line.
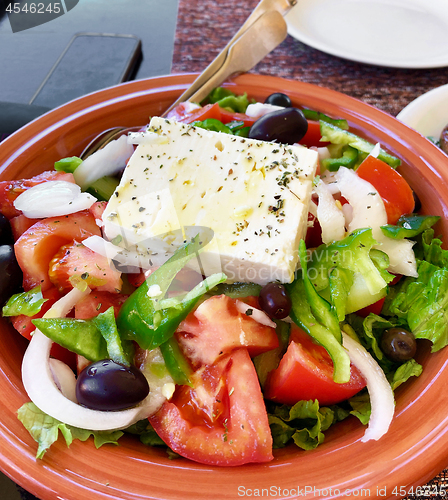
x=348 y=160
x=317 y=116
x=27 y=303
x=313 y=314
x=152 y=321
x=175 y=362
x=336 y=135
x=76 y=335
x=409 y=226
x=95 y=338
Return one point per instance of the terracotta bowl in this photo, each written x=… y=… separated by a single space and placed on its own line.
x=414 y=450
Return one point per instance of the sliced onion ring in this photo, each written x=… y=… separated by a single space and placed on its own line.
x=381 y=395
x=42 y=390
x=52 y=199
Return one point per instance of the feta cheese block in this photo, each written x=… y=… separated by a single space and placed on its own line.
x=253 y=195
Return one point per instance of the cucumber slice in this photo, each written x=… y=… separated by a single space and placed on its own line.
x=103 y=188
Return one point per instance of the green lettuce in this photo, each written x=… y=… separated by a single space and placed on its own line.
x=350 y=271
x=228 y=100
x=45 y=430
x=304 y=423
x=422 y=302
x=369 y=331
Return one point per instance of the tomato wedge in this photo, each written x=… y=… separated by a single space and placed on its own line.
x=98 y=302
x=19 y=224
x=217 y=327
x=222 y=419
x=75 y=263
x=313 y=137
x=306 y=372
x=38 y=245
x=210 y=111
x=394 y=190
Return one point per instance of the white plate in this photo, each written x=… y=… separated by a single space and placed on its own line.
x=428 y=114
x=394 y=33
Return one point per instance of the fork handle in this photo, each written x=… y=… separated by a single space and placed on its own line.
x=281 y=6
x=268 y=31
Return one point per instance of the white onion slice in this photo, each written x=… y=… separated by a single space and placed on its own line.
x=64 y=378
x=369 y=211
x=42 y=390
x=258 y=315
x=380 y=392
x=258 y=109
x=107 y=161
x=330 y=217
x=131 y=258
x=52 y=199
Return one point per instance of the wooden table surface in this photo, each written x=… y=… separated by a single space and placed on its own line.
x=205 y=26
x=203 y=29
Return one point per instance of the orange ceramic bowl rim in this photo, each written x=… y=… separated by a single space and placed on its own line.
x=414 y=450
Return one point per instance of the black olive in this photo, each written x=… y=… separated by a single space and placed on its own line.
x=274 y=301
x=11 y=276
x=108 y=386
x=417 y=202
x=398 y=344
x=5 y=231
x=286 y=126
x=279 y=99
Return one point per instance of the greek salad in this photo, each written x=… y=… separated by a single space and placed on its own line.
x=235 y=278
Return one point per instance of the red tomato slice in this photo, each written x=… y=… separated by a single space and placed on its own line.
x=98 y=302
x=231 y=116
x=136 y=279
x=10 y=190
x=210 y=111
x=217 y=327
x=306 y=372
x=38 y=245
x=313 y=136
x=225 y=422
x=374 y=308
x=77 y=262
x=392 y=187
x=313 y=236
x=20 y=224
x=98 y=208
x=207 y=111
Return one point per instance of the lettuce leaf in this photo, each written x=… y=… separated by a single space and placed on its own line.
x=423 y=302
x=369 y=331
x=45 y=430
x=361 y=408
x=304 y=423
x=407 y=370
